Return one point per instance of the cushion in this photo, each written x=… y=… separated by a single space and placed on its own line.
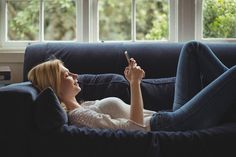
x=98 y=86
x=158 y=94
x=48 y=113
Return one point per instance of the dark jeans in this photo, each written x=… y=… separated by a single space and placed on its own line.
x=205 y=91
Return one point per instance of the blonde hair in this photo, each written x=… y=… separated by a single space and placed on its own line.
x=47 y=74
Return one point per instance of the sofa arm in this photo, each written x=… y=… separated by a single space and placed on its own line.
x=16 y=118
x=74 y=141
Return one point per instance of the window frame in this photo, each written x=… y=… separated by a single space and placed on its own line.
x=180 y=18
x=173 y=23
x=3 y=27
x=87 y=30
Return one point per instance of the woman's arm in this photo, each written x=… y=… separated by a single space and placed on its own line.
x=134 y=75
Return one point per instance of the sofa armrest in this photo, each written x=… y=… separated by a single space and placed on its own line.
x=16 y=118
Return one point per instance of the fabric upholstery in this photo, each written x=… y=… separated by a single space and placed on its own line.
x=158 y=93
x=100 y=67
x=48 y=112
x=99 y=86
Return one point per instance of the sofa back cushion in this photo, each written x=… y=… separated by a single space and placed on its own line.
x=159 y=60
x=100 y=58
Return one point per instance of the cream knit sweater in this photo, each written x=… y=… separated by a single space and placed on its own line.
x=110 y=113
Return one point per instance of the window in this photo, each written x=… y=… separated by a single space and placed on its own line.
x=152 y=20
x=22 y=20
x=59 y=20
x=30 y=21
x=114 y=19
x=36 y=20
x=217 y=20
x=134 y=20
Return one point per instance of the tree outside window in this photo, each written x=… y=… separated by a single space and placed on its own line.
x=219 y=19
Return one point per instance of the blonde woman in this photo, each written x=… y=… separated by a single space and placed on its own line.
x=204 y=93
x=106 y=113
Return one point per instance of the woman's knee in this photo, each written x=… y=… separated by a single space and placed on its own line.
x=189 y=49
x=192 y=44
x=195 y=48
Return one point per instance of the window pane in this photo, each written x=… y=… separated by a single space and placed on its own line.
x=152 y=22
x=23 y=19
x=114 y=19
x=219 y=18
x=59 y=20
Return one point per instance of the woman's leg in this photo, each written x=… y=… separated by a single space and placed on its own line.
x=206 y=109
x=197 y=67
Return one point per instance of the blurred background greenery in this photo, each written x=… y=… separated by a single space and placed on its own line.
x=219 y=19
x=152 y=19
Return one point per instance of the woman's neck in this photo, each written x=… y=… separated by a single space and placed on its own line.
x=71 y=104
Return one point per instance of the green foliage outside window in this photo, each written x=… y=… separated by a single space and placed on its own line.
x=114 y=20
x=59 y=20
x=152 y=19
x=23 y=19
x=219 y=19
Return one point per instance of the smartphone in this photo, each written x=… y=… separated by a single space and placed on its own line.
x=127 y=56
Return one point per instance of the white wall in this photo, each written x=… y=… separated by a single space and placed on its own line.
x=13 y=59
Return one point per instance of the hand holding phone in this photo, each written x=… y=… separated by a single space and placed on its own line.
x=127 y=56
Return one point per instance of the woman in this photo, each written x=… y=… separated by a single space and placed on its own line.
x=106 y=113
x=204 y=93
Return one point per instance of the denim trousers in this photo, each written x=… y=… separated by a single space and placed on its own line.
x=205 y=90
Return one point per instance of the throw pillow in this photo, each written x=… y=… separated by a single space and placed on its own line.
x=98 y=86
x=158 y=94
x=48 y=113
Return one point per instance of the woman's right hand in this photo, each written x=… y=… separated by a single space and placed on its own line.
x=133 y=72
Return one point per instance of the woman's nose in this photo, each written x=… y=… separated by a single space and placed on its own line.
x=75 y=76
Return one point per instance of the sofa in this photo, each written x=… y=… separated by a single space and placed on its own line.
x=33 y=125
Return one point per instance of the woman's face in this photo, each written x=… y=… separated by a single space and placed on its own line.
x=69 y=84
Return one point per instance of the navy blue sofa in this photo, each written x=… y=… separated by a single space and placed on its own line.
x=25 y=132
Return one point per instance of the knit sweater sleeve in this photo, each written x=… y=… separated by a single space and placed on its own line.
x=93 y=119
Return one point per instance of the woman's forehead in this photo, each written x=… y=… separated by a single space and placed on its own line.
x=63 y=68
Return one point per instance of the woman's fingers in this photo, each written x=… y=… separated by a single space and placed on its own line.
x=133 y=62
x=133 y=70
x=126 y=70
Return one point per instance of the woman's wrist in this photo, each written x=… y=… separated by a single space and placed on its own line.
x=135 y=82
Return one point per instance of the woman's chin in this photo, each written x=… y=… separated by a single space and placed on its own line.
x=78 y=89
